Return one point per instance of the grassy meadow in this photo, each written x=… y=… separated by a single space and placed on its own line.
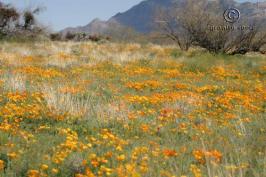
x=130 y=110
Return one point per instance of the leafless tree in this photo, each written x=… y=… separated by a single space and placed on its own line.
x=170 y=27
x=201 y=23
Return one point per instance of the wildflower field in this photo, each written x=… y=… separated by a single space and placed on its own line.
x=130 y=110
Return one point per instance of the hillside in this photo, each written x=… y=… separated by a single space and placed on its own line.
x=128 y=110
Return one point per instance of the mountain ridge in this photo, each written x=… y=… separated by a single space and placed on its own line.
x=141 y=17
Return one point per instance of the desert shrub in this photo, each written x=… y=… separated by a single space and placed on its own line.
x=72 y=36
x=29 y=19
x=15 y=24
x=55 y=36
x=95 y=38
x=8 y=18
x=69 y=36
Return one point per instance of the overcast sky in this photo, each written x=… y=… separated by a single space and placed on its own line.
x=60 y=14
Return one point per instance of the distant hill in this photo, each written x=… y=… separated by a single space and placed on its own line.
x=141 y=17
x=92 y=27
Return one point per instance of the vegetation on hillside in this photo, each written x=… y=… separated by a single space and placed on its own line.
x=87 y=109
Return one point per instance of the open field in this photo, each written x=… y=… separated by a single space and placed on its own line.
x=87 y=109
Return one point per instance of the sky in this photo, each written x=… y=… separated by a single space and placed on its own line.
x=59 y=14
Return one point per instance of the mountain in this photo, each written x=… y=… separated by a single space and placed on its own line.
x=141 y=17
x=95 y=26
